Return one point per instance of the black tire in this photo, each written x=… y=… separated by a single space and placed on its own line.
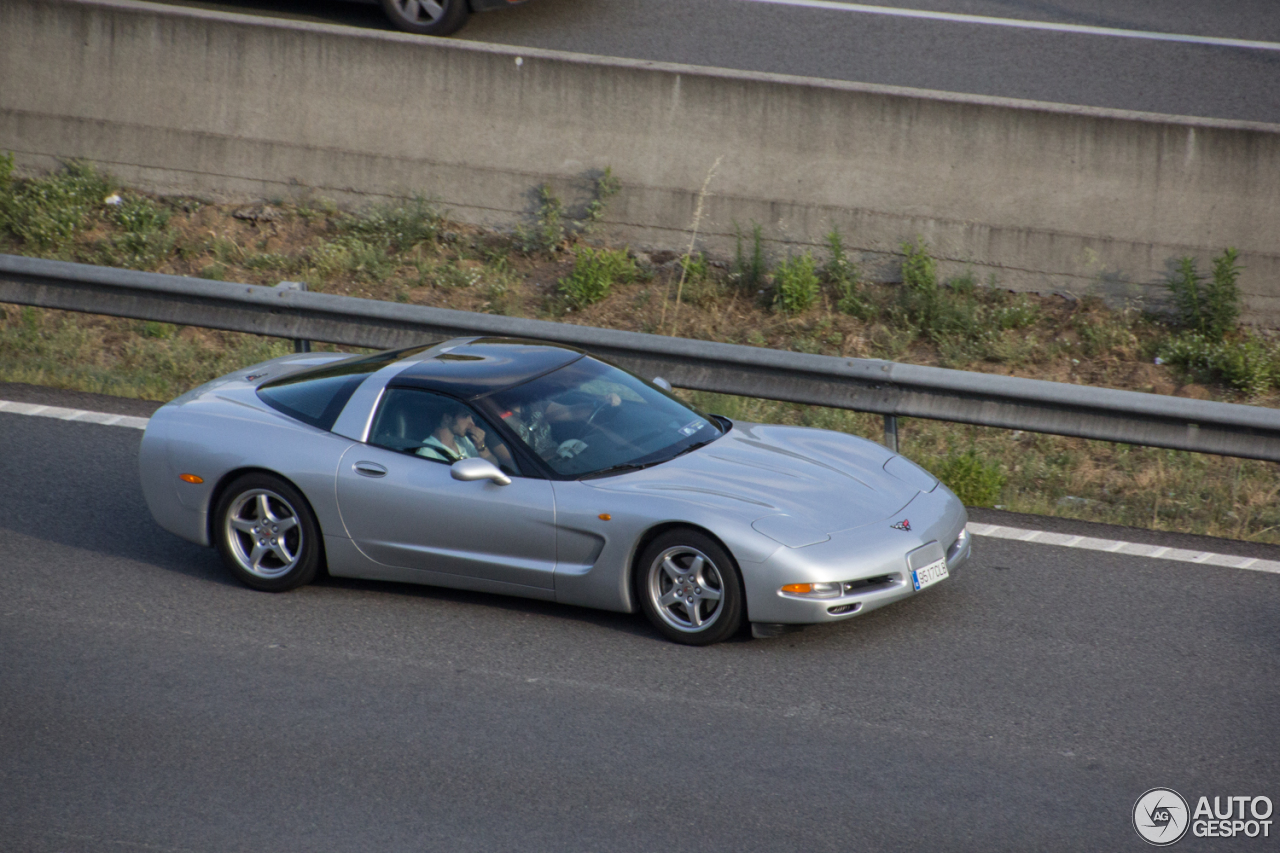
x=690 y=602
x=421 y=17
x=266 y=534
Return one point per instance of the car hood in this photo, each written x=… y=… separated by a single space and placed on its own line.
x=828 y=480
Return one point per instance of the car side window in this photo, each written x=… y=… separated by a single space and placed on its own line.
x=317 y=396
x=437 y=428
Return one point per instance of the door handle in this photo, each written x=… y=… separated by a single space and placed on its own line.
x=370 y=469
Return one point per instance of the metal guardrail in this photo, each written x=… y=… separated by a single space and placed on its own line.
x=888 y=388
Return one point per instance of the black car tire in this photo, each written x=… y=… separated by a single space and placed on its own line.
x=413 y=16
x=676 y=578
x=266 y=534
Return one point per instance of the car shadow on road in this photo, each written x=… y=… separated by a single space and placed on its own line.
x=628 y=623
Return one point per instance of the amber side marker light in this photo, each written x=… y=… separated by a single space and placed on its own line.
x=604 y=516
x=821 y=589
x=190 y=478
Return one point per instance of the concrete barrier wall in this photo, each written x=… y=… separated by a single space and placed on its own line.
x=1046 y=197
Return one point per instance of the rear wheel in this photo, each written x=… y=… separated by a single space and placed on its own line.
x=427 y=17
x=689 y=588
x=266 y=534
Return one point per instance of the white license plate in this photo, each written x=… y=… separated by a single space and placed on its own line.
x=930 y=574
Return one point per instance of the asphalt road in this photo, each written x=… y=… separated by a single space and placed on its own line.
x=150 y=703
x=1092 y=70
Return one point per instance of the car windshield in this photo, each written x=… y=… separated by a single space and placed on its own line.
x=589 y=418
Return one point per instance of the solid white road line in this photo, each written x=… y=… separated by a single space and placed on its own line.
x=1040 y=537
x=72 y=414
x=1130 y=549
x=834 y=6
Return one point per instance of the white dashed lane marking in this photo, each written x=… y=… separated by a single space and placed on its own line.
x=995 y=531
x=1130 y=549
x=72 y=414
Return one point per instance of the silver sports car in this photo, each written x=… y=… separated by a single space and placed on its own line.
x=532 y=469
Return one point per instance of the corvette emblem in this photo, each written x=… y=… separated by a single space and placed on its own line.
x=905 y=524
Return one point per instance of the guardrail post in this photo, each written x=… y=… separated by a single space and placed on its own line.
x=299 y=344
x=891 y=432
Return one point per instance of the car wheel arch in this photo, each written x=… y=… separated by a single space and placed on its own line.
x=231 y=476
x=642 y=543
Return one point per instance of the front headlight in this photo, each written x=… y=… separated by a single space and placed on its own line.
x=813 y=590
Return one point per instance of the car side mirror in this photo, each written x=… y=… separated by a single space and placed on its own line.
x=662 y=383
x=476 y=468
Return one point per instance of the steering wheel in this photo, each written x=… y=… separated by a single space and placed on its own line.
x=601 y=406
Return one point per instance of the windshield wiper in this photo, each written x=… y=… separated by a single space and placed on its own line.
x=693 y=447
x=618 y=469
x=636 y=466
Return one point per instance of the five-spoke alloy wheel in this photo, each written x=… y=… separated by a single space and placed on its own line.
x=689 y=588
x=266 y=533
x=427 y=17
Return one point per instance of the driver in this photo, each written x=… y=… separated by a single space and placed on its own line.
x=457 y=436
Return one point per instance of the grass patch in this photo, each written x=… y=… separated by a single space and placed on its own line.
x=271 y=261
x=1247 y=362
x=975 y=480
x=548 y=231
x=126 y=358
x=1210 y=309
x=47 y=213
x=358 y=257
x=553 y=229
x=796 y=286
x=398 y=227
x=843 y=277
x=453 y=274
x=702 y=288
x=595 y=272
x=606 y=187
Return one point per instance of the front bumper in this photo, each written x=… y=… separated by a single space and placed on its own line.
x=871 y=563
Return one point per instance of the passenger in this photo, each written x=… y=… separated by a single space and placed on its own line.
x=532 y=422
x=529 y=421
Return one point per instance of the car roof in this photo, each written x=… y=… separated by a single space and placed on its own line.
x=483 y=366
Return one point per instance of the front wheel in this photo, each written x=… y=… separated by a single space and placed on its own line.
x=427 y=17
x=689 y=588
x=266 y=534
